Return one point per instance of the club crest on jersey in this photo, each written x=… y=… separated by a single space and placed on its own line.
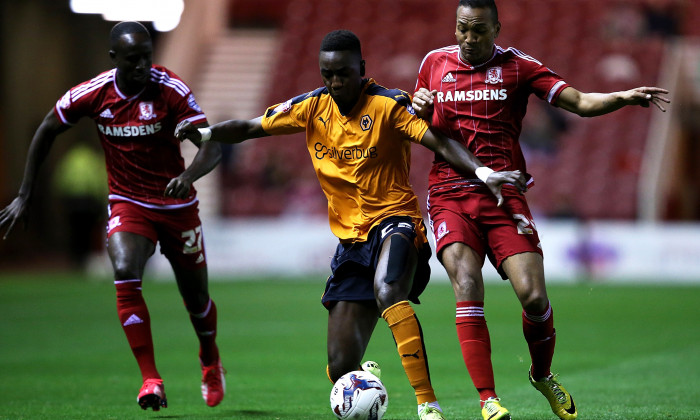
x=365 y=122
x=284 y=107
x=192 y=103
x=146 y=109
x=494 y=75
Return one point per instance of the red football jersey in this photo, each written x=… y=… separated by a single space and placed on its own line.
x=137 y=132
x=483 y=106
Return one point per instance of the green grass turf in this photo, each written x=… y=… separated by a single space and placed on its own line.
x=625 y=352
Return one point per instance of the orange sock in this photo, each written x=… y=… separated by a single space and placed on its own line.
x=408 y=336
x=328 y=373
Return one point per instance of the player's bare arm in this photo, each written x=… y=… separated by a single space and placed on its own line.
x=594 y=104
x=423 y=103
x=209 y=155
x=464 y=161
x=231 y=131
x=206 y=159
x=42 y=141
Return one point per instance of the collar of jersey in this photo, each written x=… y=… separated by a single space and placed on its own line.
x=365 y=84
x=459 y=57
x=121 y=95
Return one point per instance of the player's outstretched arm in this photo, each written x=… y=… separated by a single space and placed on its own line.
x=463 y=160
x=231 y=131
x=42 y=141
x=209 y=154
x=594 y=104
x=423 y=103
x=206 y=159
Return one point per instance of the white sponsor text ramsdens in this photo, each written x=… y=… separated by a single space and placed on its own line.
x=473 y=95
x=129 y=130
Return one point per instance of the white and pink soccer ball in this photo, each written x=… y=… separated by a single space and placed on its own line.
x=359 y=395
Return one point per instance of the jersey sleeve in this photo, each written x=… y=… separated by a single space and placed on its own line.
x=182 y=102
x=403 y=116
x=72 y=106
x=186 y=108
x=288 y=117
x=545 y=83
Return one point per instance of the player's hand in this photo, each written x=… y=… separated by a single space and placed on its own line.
x=496 y=180
x=423 y=103
x=178 y=188
x=17 y=210
x=644 y=96
x=186 y=130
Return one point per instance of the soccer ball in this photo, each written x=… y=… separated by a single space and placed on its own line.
x=359 y=395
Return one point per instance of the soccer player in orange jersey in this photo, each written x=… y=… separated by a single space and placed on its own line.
x=359 y=136
x=135 y=107
x=477 y=92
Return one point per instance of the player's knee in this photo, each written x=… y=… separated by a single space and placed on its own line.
x=534 y=301
x=201 y=307
x=395 y=281
x=401 y=259
x=466 y=278
x=386 y=295
x=465 y=284
x=123 y=270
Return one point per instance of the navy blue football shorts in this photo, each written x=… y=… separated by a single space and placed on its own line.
x=354 y=264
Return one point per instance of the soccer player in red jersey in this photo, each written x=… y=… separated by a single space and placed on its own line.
x=359 y=136
x=476 y=92
x=136 y=107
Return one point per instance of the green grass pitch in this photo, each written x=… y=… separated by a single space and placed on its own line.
x=624 y=352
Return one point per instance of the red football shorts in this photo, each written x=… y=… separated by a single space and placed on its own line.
x=471 y=216
x=179 y=231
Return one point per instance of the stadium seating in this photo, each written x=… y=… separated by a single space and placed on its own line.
x=594 y=44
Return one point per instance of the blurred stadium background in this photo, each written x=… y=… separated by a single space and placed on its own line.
x=616 y=197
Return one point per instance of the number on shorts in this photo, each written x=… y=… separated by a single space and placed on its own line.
x=525 y=225
x=193 y=240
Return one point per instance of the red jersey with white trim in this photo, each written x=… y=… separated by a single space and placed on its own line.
x=483 y=106
x=137 y=132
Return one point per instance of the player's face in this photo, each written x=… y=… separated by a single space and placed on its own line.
x=476 y=34
x=342 y=73
x=133 y=56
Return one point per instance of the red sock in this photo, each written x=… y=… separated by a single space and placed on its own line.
x=136 y=322
x=204 y=323
x=473 y=335
x=540 y=335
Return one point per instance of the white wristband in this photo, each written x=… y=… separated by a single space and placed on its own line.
x=206 y=133
x=483 y=172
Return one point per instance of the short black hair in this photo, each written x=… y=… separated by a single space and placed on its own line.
x=341 y=40
x=489 y=4
x=124 y=28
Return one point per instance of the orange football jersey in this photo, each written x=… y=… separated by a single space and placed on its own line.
x=362 y=159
